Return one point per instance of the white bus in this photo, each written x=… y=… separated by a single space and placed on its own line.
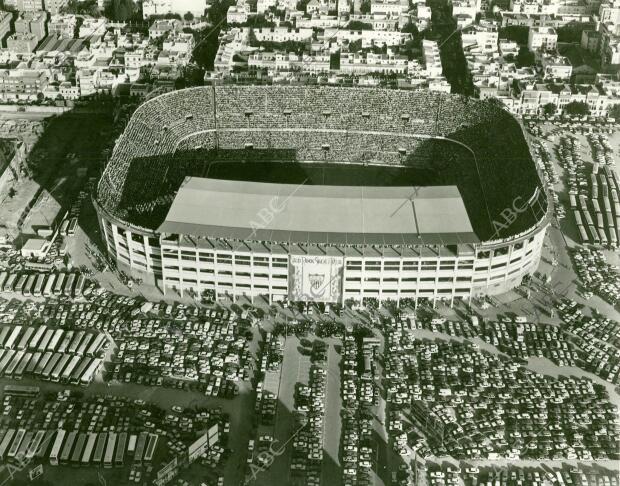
x=45 y=357
x=10 y=369
x=10 y=342
x=38 y=286
x=67 y=291
x=29 y=287
x=34 y=361
x=81 y=350
x=16 y=443
x=79 y=286
x=34 y=342
x=4 y=332
x=76 y=341
x=88 y=449
x=60 y=281
x=108 y=458
x=90 y=372
x=7 y=357
x=45 y=340
x=67 y=372
x=35 y=443
x=9 y=285
x=51 y=364
x=48 y=290
x=96 y=344
x=62 y=362
x=79 y=370
x=53 y=344
x=64 y=344
x=54 y=456
x=23 y=342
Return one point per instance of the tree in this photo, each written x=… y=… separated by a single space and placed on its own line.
x=365 y=7
x=357 y=25
x=549 y=109
x=578 y=108
x=188 y=16
x=525 y=57
x=614 y=112
x=12 y=192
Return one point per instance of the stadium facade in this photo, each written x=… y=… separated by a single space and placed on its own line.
x=476 y=229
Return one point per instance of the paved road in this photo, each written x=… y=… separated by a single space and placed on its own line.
x=332 y=472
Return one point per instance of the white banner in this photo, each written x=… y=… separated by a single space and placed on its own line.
x=315 y=278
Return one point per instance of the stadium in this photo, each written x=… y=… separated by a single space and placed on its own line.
x=323 y=194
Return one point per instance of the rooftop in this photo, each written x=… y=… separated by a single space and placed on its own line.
x=319 y=214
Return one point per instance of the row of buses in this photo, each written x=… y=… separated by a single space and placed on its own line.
x=50 y=354
x=43 y=284
x=55 y=367
x=43 y=338
x=63 y=447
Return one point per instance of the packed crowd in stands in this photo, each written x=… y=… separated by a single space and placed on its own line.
x=370 y=126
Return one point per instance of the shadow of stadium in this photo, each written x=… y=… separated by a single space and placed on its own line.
x=72 y=149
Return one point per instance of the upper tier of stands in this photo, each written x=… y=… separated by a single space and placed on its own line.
x=348 y=125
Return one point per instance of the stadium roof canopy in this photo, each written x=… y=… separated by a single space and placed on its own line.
x=241 y=210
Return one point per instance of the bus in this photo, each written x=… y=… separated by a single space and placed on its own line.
x=45 y=357
x=7 y=357
x=81 y=350
x=19 y=372
x=4 y=332
x=79 y=371
x=68 y=371
x=53 y=343
x=55 y=452
x=45 y=340
x=21 y=391
x=64 y=344
x=63 y=227
x=34 y=445
x=36 y=356
x=109 y=451
x=79 y=286
x=29 y=287
x=38 y=285
x=142 y=438
x=65 y=455
x=51 y=364
x=23 y=342
x=150 y=448
x=24 y=446
x=62 y=362
x=76 y=340
x=79 y=449
x=119 y=460
x=67 y=291
x=9 y=285
x=6 y=441
x=71 y=226
x=21 y=283
x=19 y=436
x=88 y=449
x=48 y=290
x=96 y=345
x=10 y=342
x=100 y=448
x=60 y=281
x=45 y=444
x=34 y=342
x=10 y=369
x=131 y=445
x=3 y=277
x=90 y=372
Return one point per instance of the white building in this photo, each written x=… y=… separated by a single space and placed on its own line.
x=543 y=38
x=180 y=7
